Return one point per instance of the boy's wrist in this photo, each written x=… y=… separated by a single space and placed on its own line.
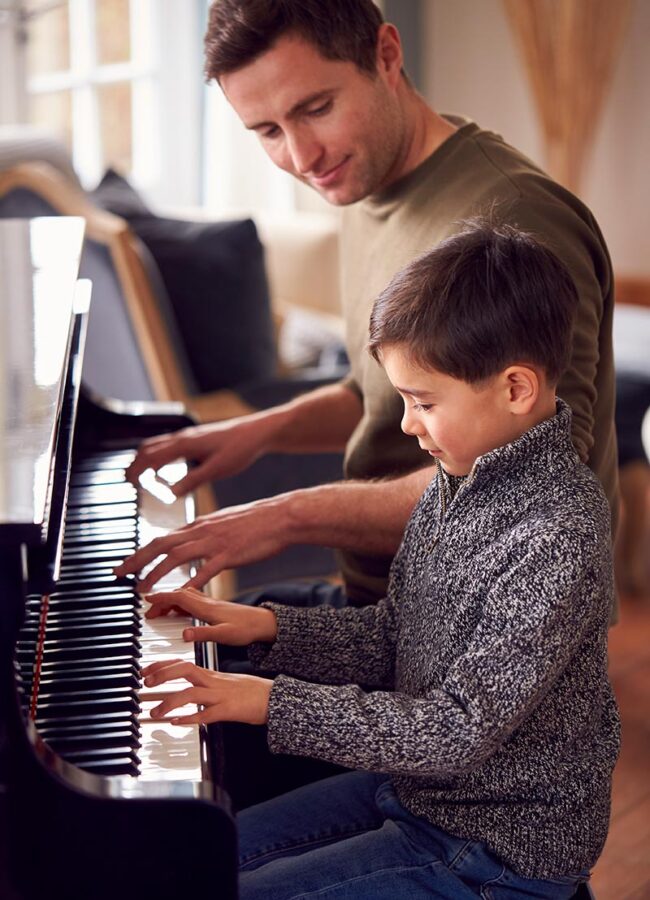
x=266 y=630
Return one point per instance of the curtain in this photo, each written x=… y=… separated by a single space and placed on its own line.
x=569 y=49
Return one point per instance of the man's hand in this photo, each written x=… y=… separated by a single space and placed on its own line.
x=221 y=449
x=232 y=623
x=319 y=421
x=225 y=697
x=231 y=537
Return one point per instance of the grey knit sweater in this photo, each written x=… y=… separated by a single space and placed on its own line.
x=485 y=692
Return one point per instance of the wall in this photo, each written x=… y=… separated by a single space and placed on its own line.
x=470 y=64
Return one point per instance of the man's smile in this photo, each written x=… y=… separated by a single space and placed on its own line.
x=327 y=178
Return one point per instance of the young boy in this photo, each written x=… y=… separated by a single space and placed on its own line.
x=485 y=733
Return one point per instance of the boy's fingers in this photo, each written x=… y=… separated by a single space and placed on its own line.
x=157 y=666
x=199 y=633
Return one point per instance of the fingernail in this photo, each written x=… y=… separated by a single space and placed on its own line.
x=155 y=713
x=148 y=681
x=188 y=634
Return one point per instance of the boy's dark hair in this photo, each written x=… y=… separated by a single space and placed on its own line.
x=480 y=301
x=241 y=30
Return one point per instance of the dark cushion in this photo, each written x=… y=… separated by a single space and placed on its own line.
x=216 y=280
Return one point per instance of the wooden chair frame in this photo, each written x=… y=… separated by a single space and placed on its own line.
x=151 y=333
x=149 y=327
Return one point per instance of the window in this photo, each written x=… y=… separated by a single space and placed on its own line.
x=119 y=81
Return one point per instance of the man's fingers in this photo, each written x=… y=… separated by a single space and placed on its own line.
x=183 y=553
x=152 y=456
x=186 y=600
x=194 y=478
x=207 y=571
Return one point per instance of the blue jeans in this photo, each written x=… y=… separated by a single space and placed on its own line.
x=349 y=838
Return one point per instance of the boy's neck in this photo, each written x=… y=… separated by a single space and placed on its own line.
x=545 y=408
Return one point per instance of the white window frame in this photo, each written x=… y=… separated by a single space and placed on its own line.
x=165 y=75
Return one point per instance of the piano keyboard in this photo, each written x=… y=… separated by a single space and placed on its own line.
x=92 y=708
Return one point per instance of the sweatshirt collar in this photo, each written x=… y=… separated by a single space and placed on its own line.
x=377 y=203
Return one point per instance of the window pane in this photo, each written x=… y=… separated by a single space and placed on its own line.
x=113 y=31
x=115 y=125
x=53 y=111
x=48 y=40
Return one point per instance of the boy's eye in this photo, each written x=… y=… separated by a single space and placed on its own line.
x=422 y=407
x=271 y=132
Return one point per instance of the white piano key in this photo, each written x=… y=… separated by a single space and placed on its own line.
x=168 y=752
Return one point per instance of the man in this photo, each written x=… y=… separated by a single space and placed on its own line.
x=321 y=83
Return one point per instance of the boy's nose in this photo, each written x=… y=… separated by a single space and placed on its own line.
x=410 y=423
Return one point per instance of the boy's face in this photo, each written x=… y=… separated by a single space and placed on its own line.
x=454 y=421
x=332 y=126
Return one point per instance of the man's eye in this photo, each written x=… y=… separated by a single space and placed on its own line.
x=271 y=132
x=321 y=110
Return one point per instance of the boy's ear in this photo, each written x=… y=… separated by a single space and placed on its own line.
x=523 y=387
x=389 y=53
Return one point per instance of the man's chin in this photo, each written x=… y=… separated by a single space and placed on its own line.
x=340 y=195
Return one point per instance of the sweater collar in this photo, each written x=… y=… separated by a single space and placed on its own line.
x=546 y=445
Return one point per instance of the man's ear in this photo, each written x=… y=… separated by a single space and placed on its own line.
x=390 y=57
x=522 y=384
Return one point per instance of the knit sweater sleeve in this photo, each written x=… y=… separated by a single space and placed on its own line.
x=333 y=646
x=535 y=617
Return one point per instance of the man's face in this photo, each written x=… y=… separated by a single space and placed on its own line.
x=329 y=124
x=452 y=420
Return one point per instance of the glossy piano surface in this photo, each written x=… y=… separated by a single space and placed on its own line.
x=82 y=815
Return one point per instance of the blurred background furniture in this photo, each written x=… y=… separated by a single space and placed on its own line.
x=145 y=336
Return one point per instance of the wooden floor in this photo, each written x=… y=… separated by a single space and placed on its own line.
x=623 y=871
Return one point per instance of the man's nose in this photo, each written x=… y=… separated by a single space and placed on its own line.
x=305 y=152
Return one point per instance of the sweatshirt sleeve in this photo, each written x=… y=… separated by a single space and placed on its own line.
x=535 y=618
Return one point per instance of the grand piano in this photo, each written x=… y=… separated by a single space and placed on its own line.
x=96 y=800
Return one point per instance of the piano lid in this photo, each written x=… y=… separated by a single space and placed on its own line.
x=39 y=261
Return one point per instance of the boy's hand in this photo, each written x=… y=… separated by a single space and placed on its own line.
x=225 y=697
x=232 y=623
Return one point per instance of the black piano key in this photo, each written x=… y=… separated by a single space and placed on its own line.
x=109 y=759
x=96 y=664
x=106 y=550
x=67 y=743
x=90 y=592
x=94 y=534
x=87 y=651
x=89 y=728
x=107 y=512
x=107 y=719
x=103 y=462
x=87 y=683
x=58 y=618
x=56 y=711
x=90 y=632
x=123 y=766
x=64 y=611
x=90 y=477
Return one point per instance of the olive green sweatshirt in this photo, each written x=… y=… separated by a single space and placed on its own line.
x=473 y=172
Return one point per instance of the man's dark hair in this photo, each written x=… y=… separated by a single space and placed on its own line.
x=483 y=299
x=241 y=30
